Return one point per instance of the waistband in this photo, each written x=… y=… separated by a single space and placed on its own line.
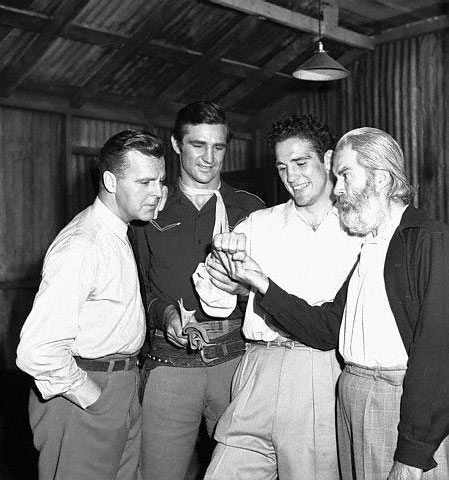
x=391 y=375
x=102 y=365
x=289 y=344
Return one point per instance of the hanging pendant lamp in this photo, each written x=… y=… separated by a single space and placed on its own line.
x=320 y=67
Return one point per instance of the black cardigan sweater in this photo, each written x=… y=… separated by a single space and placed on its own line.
x=416 y=274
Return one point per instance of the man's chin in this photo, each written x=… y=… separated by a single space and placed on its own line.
x=147 y=216
x=353 y=223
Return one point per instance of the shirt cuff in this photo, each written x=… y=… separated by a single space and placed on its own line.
x=86 y=394
x=416 y=454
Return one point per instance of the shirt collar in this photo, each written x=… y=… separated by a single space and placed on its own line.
x=290 y=212
x=110 y=219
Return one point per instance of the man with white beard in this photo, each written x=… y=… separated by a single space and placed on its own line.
x=389 y=319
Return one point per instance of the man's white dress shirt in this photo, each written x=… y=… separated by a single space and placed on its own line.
x=88 y=305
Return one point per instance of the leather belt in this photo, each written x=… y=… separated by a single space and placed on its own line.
x=92 y=365
x=219 y=350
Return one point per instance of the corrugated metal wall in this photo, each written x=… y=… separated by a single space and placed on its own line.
x=402 y=88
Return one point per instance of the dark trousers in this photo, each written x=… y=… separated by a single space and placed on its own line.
x=101 y=442
x=175 y=401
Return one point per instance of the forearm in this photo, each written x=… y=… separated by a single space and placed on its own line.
x=317 y=327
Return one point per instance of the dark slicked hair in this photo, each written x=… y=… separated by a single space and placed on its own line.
x=197 y=113
x=113 y=155
x=305 y=127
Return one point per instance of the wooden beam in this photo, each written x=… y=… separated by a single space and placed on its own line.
x=56 y=99
x=414 y=29
x=297 y=21
x=292 y=51
x=31 y=21
x=233 y=36
x=152 y=26
x=12 y=76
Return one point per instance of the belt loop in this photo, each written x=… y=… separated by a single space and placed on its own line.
x=268 y=345
x=126 y=367
x=111 y=366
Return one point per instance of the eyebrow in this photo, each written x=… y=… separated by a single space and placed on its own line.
x=342 y=170
x=297 y=159
x=202 y=142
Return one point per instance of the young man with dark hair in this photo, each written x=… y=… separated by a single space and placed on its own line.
x=81 y=339
x=281 y=421
x=184 y=385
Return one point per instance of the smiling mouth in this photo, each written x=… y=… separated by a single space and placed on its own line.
x=301 y=186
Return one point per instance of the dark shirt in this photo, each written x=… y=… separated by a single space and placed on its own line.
x=416 y=274
x=172 y=246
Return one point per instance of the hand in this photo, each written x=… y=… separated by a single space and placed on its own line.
x=220 y=279
x=400 y=471
x=173 y=327
x=162 y=201
x=227 y=244
x=243 y=269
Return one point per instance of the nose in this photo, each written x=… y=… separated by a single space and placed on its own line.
x=156 y=190
x=339 y=187
x=292 y=174
x=208 y=154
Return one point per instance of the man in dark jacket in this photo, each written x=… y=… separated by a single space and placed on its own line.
x=186 y=385
x=389 y=319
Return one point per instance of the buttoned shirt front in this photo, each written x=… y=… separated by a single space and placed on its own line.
x=305 y=262
x=88 y=305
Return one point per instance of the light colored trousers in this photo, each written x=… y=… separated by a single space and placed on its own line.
x=99 y=443
x=175 y=401
x=368 y=416
x=281 y=421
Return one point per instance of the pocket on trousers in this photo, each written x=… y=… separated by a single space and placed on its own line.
x=97 y=406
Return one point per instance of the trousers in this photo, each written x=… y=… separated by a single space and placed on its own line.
x=368 y=416
x=101 y=442
x=174 y=402
x=281 y=421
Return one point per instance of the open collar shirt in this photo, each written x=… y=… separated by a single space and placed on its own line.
x=369 y=335
x=88 y=304
x=305 y=262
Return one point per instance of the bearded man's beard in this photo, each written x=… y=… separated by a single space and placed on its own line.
x=361 y=211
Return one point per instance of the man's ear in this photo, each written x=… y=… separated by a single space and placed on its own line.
x=382 y=179
x=175 y=145
x=109 y=181
x=328 y=160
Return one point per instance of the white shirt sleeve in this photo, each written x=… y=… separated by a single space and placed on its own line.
x=44 y=350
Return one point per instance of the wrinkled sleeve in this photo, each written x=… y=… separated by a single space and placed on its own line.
x=44 y=351
x=424 y=414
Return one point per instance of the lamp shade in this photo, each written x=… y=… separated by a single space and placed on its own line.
x=320 y=67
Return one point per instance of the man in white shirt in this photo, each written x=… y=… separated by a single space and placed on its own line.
x=281 y=421
x=87 y=324
x=389 y=319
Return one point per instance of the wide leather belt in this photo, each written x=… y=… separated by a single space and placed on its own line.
x=217 y=350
